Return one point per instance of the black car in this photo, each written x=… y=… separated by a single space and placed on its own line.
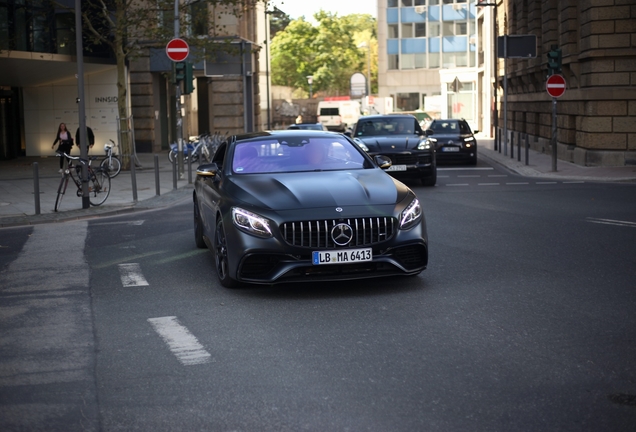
x=307 y=126
x=400 y=138
x=291 y=206
x=453 y=140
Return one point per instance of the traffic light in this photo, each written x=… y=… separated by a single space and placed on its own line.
x=188 y=79
x=554 y=60
x=178 y=72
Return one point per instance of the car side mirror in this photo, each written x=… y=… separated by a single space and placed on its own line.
x=348 y=133
x=383 y=162
x=208 y=170
x=475 y=131
x=428 y=132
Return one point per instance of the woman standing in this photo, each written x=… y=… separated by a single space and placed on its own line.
x=66 y=143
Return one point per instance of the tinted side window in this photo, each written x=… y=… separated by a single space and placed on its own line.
x=464 y=128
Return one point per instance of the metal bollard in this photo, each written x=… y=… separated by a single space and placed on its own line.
x=519 y=148
x=174 y=173
x=36 y=187
x=133 y=177
x=527 y=148
x=190 y=169
x=512 y=145
x=157 y=186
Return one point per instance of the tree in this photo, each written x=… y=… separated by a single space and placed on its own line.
x=328 y=51
x=133 y=26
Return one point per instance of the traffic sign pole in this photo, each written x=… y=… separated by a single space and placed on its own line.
x=555 y=86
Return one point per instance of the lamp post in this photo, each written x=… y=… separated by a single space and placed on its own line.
x=310 y=80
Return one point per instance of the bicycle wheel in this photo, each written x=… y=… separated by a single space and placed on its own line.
x=61 y=190
x=98 y=186
x=114 y=167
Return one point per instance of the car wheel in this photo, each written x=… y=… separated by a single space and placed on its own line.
x=198 y=228
x=431 y=180
x=221 y=257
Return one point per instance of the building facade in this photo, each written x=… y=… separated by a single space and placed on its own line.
x=38 y=84
x=596 y=117
x=431 y=58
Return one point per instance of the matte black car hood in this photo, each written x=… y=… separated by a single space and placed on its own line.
x=391 y=143
x=285 y=191
x=443 y=138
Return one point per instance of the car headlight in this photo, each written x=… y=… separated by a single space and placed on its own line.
x=251 y=222
x=411 y=215
x=468 y=139
x=424 y=145
x=361 y=144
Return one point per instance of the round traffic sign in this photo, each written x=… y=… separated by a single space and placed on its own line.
x=555 y=85
x=177 y=50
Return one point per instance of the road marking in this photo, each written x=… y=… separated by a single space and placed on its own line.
x=573 y=182
x=137 y=223
x=546 y=182
x=497 y=175
x=517 y=183
x=458 y=184
x=181 y=342
x=487 y=184
x=131 y=275
x=468 y=176
x=612 y=222
x=466 y=169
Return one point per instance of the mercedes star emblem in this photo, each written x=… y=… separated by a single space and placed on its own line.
x=342 y=234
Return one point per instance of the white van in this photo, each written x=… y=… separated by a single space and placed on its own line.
x=336 y=114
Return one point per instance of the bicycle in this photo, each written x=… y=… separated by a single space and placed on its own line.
x=202 y=146
x=111 y=162
x=98 y=181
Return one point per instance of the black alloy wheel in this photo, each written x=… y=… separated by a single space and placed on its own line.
x=221 y=257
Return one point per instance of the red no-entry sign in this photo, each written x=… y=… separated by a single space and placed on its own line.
x=177 y=50
x=555 y=85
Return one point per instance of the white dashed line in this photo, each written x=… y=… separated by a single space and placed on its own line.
x=472 y=176
x=487 y=184
x=131 y=275
x=497 y=175
x=517 y=183
x=612 y=222
x=573 y=182
x=542 y=183
x=181 y=342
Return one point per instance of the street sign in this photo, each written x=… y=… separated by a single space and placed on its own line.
x=555 y=86
x=177 y=50
x=517 y=46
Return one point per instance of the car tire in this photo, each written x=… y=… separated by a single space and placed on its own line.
x=221 y=257
x=431 y=180
x=198 y=228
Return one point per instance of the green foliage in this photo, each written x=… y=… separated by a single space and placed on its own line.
x=328 y=51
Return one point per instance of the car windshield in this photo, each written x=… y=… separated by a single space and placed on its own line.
x=387 y=126
x=296 y=154
x=445 y=127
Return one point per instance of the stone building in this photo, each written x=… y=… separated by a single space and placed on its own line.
x=596 y=117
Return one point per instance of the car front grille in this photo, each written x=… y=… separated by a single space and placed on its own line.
x=317 y=234
x=409 y=159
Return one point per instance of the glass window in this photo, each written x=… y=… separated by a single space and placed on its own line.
x=433 y=2
x=408 y=61
x=419 y=3
x=448 y=29
x=407 y=31
x=407 y=101
x=433 y=29
x=394 y=62
x=461 y=59
x=461 y=28
x=392 y=3
x=420 y=61
x=407 y=3
x=393 y=31
x=433 y=60
x=420 y=30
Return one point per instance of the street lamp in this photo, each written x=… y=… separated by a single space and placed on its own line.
x=310 y=80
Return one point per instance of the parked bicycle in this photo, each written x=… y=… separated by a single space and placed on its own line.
x=111 y=162
x=202 y=147
x=98 y=181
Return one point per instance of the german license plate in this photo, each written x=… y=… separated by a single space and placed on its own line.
x=396 y=168
x=450 y=149
x=347 y=256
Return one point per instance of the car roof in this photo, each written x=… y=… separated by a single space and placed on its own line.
x=286 y=133
x=387 y=116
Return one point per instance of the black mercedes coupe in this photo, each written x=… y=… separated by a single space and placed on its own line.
x=400 y=138
x=292 y=206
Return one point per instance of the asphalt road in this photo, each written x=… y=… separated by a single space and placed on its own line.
x=523 y=321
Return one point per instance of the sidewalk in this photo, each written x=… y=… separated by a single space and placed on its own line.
x=17 y=202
